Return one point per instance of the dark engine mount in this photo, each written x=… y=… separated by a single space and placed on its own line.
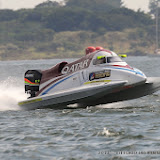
x=32 y=80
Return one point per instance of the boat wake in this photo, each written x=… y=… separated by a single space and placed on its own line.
x=116 y=105
x=11 y=91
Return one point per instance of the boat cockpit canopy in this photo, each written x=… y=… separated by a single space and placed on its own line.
x=101 y=59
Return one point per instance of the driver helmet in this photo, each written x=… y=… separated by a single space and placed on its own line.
x=99 y=48
x=90 y=49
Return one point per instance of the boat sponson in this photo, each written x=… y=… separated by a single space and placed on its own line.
x=150 y=86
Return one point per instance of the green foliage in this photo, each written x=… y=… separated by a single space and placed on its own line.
x=95 y=5
x=8 y=15
x=153 y=5
x=48 y=4
x=72 y=19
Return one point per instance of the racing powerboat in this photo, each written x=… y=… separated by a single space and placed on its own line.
x=97 y=78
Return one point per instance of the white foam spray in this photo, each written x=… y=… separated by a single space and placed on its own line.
x=115 y=105
x=11 y=91
x=107 y=133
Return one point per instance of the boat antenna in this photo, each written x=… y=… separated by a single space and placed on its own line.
x=157 y=26
x=0 y=4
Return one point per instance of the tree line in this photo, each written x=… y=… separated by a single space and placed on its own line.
x=88 y=15
x=38 y=28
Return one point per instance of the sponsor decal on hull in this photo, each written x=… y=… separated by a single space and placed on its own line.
x=99 y=74
x=75 y=67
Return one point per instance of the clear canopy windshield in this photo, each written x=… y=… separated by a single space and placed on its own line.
x=104 y=59
x=99 y=60
x=114 y=59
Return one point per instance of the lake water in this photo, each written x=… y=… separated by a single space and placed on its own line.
x=124 y=130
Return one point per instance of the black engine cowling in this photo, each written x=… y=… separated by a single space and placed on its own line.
x=32 y=80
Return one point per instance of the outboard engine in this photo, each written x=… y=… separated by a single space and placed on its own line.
x=32 y=80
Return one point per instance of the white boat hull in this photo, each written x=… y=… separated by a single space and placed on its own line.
x=91 y=95
x=75 y=95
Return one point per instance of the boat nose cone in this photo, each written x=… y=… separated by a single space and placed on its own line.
x=144 y=78
x=140 y=76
